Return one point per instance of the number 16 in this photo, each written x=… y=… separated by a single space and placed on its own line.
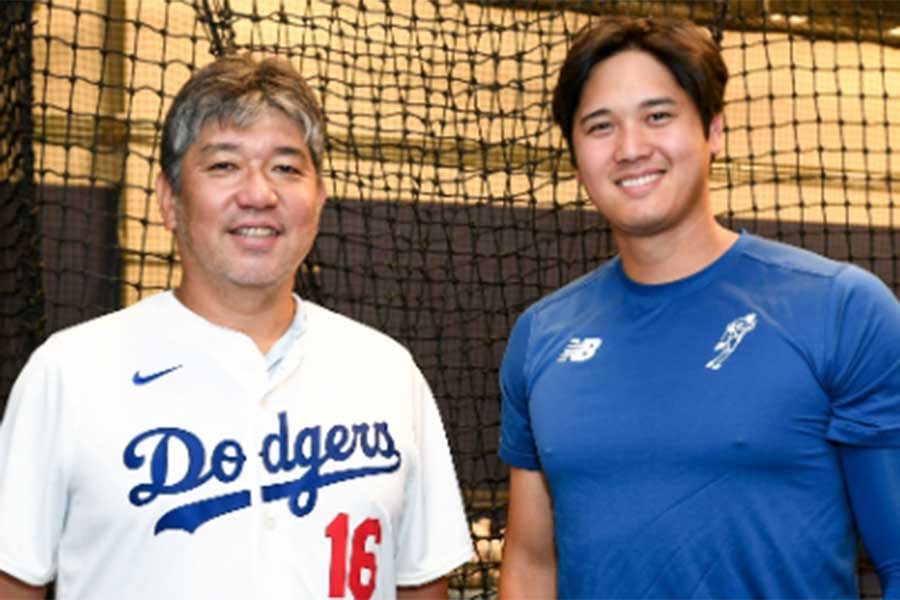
x=360 y=558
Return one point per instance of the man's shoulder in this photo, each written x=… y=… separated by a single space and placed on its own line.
x=592 y=287
x=790 y=259
x=805 y=273
x=90 y=335
x=347 y=333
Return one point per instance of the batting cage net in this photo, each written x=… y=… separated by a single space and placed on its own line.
x=453 y=204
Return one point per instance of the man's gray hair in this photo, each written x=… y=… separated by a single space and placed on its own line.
x=233 y=90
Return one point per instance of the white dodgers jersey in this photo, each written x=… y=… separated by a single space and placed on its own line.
x=149 y=454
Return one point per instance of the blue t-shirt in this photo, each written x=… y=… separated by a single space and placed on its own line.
x=687 y=430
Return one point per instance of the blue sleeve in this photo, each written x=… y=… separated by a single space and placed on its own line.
x=862 y=337
x=873 y=482
x=517 y=446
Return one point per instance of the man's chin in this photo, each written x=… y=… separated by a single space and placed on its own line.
x=255 y=280
x=641 y=228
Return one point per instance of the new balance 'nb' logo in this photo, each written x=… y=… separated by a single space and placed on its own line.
x=580 y=350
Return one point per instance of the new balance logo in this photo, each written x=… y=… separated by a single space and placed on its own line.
x=728 y=343
x=580 y=350
x=138 y=379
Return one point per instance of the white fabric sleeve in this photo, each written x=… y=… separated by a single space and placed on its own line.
x=434 y=534
x=33 y=496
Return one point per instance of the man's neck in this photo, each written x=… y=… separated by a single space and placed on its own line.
x=673 y=255
x=263 y=315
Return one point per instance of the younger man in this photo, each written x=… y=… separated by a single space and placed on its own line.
x=704 y=415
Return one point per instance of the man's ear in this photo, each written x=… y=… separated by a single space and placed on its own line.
x=167 y=199
x=717 y=134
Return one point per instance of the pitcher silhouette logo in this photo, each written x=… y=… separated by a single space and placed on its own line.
x=728 y=343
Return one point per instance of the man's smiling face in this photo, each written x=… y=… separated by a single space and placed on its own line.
x=248 y=211
x=640 y=148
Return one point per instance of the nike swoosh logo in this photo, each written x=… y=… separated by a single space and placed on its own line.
x=139 y=379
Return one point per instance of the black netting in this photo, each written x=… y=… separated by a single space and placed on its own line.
x=22 y=316
x=452 y=204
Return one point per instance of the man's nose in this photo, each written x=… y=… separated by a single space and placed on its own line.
x=631 y=144
x=257 y=190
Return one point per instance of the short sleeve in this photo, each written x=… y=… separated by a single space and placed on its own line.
x=517 y=446
x=863 y=367
x=434 y=534
x=32 y=483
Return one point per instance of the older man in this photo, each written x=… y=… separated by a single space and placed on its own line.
x=229 y=439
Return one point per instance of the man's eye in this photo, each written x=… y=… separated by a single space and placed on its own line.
x=222 y=166
x=599 y=127
x=658 y=117
x=287 y=169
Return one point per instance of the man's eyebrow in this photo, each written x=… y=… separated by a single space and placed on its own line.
x=229 y=147
x=218 y=147
x=290 y=150
x=661 y=101
x=600 y=112
x=648 y=103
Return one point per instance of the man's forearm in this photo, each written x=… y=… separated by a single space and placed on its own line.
x=529 y=552
x=433 y=590
x=535 y=580
x=14 y=588
x=873 y=481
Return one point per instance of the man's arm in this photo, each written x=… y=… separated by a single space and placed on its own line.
x=873 y=482
x=429 y=591
x=13 y=588
x=529 y=550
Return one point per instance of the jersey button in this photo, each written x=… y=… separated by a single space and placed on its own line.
x=269 y=522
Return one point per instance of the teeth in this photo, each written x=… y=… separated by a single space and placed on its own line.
x=255 y=232
x=640 y=180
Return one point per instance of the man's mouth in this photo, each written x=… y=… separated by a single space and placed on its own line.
x=630 y=182
x=255 y=232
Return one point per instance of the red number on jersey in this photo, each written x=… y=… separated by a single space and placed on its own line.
x=337 y=531
x=361 y=560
